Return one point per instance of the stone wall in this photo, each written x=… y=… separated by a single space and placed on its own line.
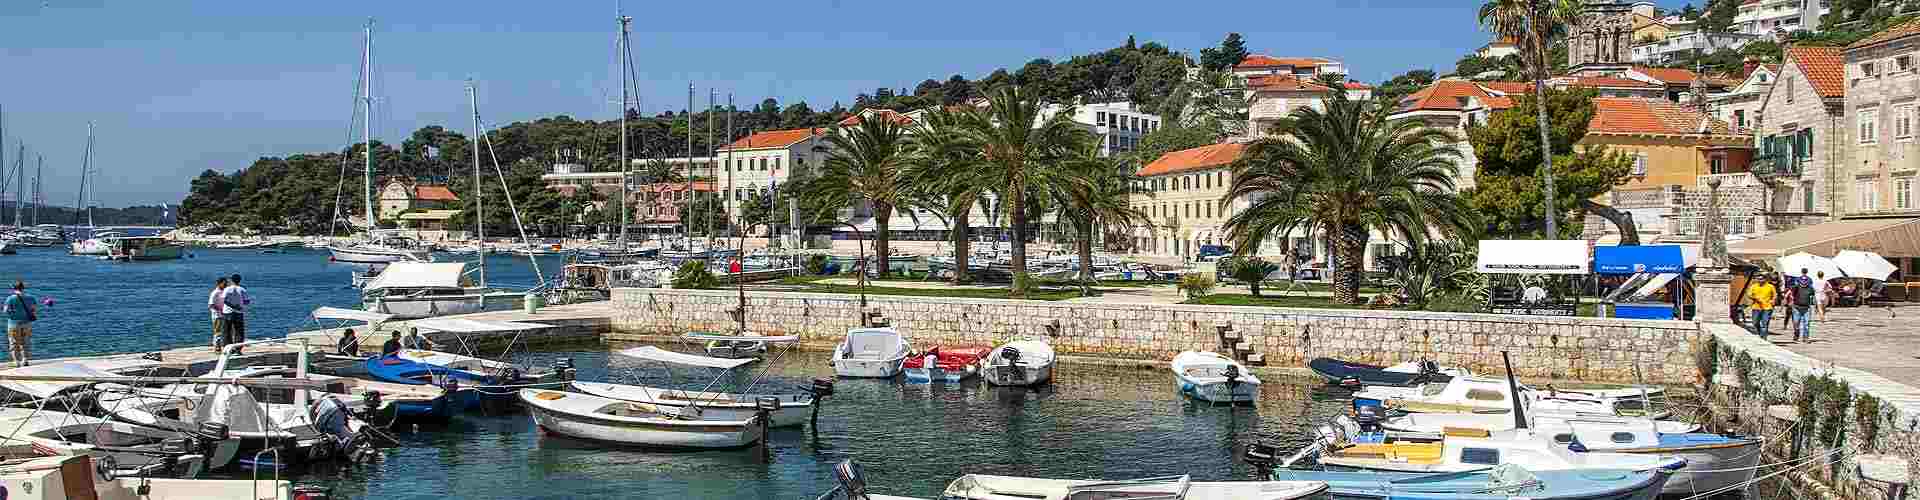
x=1588 y=349
x=1761 y=389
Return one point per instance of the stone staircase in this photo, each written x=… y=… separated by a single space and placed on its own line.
x=1238 y=345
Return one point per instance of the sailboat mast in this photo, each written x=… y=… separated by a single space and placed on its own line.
x=86 y=170
x=19 y=187
x=38 y=198
x=625 y=63
x=366 y=128
x=479 y=206
x=705 y=216
x=687 y=221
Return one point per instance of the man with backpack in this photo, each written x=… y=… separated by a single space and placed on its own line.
x=1802 y=292
x=21 y=313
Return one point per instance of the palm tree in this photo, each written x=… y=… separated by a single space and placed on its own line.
x=1533 y=25
x=657 y=171
x=867 y=162
x=1095 y=195
x=1022 y=145
x=944 y=168
x=1343 y=172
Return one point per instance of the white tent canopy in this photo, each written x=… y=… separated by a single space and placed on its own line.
x=652 y=353
x=461 y=325
x=1533 y=257
x=1814 y=264
x=419 y=275
x=1867 y=265
x=369 y=317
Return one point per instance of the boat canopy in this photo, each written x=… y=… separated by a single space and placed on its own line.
x=878 y=340
x=419 y=275
x=777 y=339
x=652 y=353
x=1533 y=257
x=369 y=317
x=463 y=325
x=40 y=389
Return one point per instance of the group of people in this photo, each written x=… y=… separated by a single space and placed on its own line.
x=227 y=304
x=1802 y=296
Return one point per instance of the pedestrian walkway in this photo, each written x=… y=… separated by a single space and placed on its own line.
x=1882 y=340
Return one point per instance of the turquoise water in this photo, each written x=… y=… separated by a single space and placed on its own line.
x=1094 y=422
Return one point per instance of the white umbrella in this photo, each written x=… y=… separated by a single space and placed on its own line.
x=1867 y=265
x=1814 y=264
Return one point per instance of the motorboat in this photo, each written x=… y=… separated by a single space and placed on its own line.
x=127 y=449
x=1472 y=394
x=1714 y=461
x=871 y=353
x=789 y=409
x=100 y=243
x=852 y=485
x=1503 y=482
x=1439 y=422
x=1359 y=444
x=745 y=345
x=1214 y=378
x=132 y=248
x=381 y=246
x=1019 y=362
x=946 y=364
x=80 y=477
x=596 y=418
x=412 y=290
x=1400 y=375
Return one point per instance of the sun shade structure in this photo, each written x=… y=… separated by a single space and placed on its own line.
x=1814 y=264
x=779 y=339
x=1532 y=257
x=652 y=353
x=460 y=325
x=1660 y=259
x=369 y=317
x=1899 y=236
x=419 y=275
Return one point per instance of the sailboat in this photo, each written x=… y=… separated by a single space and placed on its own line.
x=96 y=243
x=378 y=246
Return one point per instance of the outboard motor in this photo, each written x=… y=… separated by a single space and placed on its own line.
x=564 y=367
x=1368 y=418
x=372 y=408
x=1261 y=456
x=214 y=431
x=509 y=375
x=1010 y=354
x=821 y=388
x=852 y=478
x=330 y=418
x=311 y=492
x=1233 y=380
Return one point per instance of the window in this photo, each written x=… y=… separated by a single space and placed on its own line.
x=1789 y=88
x=1640 y=164
x=1719 y=164
x=1621 y=437
x=1803 y=144
x=1869 y=126
x=1485 y=395
x=1480 y=456
x=1903 y=63
x=1867 y=69
x=1806 y=195
x=1740 y=118
x=776 y=163
x=1903 y=122
x=1563 y=438
x=1903 y=193
x=1100 y=118
x=1868 y=197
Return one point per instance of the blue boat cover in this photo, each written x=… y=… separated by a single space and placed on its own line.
x=1657 y=259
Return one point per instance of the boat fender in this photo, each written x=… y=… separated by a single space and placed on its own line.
x=1350 y=382
x=852 y=478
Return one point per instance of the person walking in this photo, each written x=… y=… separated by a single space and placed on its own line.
x=217 y=314
x=21 y=313
x=1761 y=297
x=233 y=305
x=1803 y=300
x=1821 y=294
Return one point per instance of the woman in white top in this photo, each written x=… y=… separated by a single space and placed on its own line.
x=1820 y=297
x=213 y=310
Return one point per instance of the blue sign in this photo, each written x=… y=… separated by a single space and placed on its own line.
x=1657 y=259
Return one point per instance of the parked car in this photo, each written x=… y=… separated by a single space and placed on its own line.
x=1210 y=253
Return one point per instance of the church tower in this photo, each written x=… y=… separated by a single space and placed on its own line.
x=1600 y=41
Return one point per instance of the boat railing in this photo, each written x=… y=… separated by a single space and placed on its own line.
x=275 y=450
x=1180 y=485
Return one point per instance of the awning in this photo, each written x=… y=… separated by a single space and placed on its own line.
x=462 y=325
x=48 y=389
x=652 y=353
x=1898 y=237
x=368 y=317
x=1533 y=257
x=1659 y=259
x=419 y=275
x=779 y=339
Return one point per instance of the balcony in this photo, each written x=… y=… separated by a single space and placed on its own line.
x=1769 y=166
x=1728 y=181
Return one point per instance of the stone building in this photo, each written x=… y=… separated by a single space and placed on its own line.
x=1456 y=105
x=424 y=208
x=1676 y=149
x=1274 y=97
x=1739 y=105
x=1600 y=41
x=1883 y=81
x=1802 y=132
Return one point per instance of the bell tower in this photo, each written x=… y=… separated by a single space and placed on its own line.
x=1600 y=41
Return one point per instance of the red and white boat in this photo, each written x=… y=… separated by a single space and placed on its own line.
x=951 y=364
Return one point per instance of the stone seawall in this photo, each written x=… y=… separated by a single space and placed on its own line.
x=1851 y=434
x=1588 y=349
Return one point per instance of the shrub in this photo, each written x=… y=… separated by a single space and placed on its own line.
x=1197 y=285
x=816 y=265
x=1250 y=270
x=693 y=275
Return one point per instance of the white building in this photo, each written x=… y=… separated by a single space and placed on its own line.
x=759 y=161
x=1688 y=42
x=1764 y=17
x=1255 y=65
x=1118 y=124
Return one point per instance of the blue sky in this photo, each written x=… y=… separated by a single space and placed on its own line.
x=179 y=87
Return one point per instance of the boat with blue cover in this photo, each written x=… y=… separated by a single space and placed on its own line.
x=1500 y=483
x=460 y=385
x=1349 y=373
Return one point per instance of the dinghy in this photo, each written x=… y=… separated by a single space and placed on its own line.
x=595 y=418
x=946 y=364
x=1401 y=375
x=1020 y=362
x=793 y=409
x=1504 y=482
x=1214 y=378
x=851 y=479
x=871 y=353
x=746 y=345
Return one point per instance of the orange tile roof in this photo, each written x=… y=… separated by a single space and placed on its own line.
x=1263 y=61
x=775 y=138
x=1636 y=115
x=897 y=117
x=1602 y=82
x=1216 y=155
x=1508 y=87
x=1284 y=83
x=1896 y=32
x=1824 y=67
x=1446 y=95
x=1669 y=76
x=434 y=193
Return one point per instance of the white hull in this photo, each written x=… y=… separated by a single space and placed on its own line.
x=583 y=423
x=1033 y=366
x=55 y=478
x=6 y=248
x=1214 y=378
x=1220 y=392
x=793 y=411
x=374 y=255
x=436 y=305
x=859 y=368
x=871 y=353
x=89 y=247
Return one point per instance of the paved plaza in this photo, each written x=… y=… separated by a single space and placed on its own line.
x=1877 y=339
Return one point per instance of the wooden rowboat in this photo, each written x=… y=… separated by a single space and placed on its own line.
x=590 y=417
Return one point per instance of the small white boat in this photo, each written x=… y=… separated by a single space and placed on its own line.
x=1210 y=377
x=852 y=484
x=381 y=246
x=1020 y=362
x=746 y=345
x=871 y=353
x=1472 y=394
x=75 y=477
x=99 y=244
x=132 y=248
x=793 y=410
x=413 y=290
x=595 y=418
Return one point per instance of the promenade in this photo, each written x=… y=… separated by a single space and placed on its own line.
x=1884 y=341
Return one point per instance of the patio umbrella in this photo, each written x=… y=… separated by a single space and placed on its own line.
x=1867 y=265
x=1814 y=264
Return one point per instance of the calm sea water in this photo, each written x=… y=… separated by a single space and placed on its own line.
x=1094 y=422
